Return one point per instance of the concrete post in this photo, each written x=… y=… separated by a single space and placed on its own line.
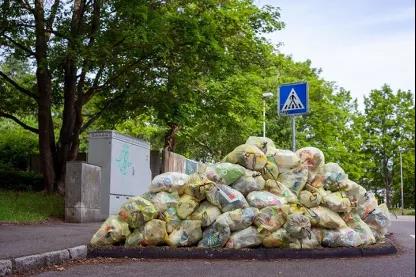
x=82 y=192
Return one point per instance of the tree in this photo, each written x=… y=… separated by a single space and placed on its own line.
x=389 y=125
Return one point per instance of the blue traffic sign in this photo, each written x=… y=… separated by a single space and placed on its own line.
x=293 y=99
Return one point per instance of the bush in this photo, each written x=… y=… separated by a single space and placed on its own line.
x=16 y=146
x=20 y=180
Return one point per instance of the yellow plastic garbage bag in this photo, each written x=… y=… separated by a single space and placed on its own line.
x=309 y=199
x=278 y=239
x=196 y=186
x=270 y=171
x=238 y=219
x=328 y=219
x=111 y=231
x=245 y=238
x=171 y=218
x=225 y=173
x=136 y=211
x=188 y=234
x=270 y=218
x=313 y=159
x=248 y=156
x=168 y=181
x=164 y=200
x=206 y=212
x=344 y=237
x=226 y=198
x=261 y=199
x=284 y=159
x=154 y=232
x=353 y=191
x=215 y=236
x=354 y=221
x=337 y=202
x=309 y=242
x=366 y=204
x=250 y=181
x=295 y=179
x=379 y=220
x=262 y=143
x=281 y=190
x=298 y=226
x=135 y=238
x=333 y=175
x=186 y=206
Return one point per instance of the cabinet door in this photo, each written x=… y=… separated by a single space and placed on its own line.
x=130 y=169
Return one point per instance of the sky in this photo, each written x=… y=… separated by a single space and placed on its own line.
x=359 y=44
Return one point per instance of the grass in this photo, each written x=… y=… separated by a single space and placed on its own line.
x=405 y=211
x=29 y=207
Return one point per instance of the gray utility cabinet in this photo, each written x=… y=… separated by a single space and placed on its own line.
x=125 y=167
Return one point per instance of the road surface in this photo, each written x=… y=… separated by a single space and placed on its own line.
x=402 y=264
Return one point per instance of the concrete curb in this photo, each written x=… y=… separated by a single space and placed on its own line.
x=240 y=254
x=27 y=263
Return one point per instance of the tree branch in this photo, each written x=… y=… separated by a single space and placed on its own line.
x=18 y=121
x=18 y=87
x=19 y=45
x=26 y=5
x=51 y=19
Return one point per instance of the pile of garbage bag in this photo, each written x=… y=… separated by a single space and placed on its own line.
x=257 y=195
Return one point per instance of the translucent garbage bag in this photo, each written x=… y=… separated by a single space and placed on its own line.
x=135 y=238
x=295 y=179
x=164 y=200
x=262 y=143
x=281 y=190
x=355 y=222
x=278 y=239
x=270 y=171
x=188 y=234
x=270 y=218
x=206 y=212
x=154 y=232
x=332 y=176
x=248 y=156
x=171 y=218
x=226 y=198
x=248 y=237
x=284 y=159
x=197 y=187
x=309 y=199
x=225 y=173
x=136 y=211
x=215 y=236
x=111 y=231
x=343 y=237
x=353 y=191
x=337 y=202
x=366 y=204
x=313 y=159
x=238 y=219
x=328 y=219
x=261 y=199
x=298 y=226
x=379 y=221
x=310 y=242
x=250 y=181
x=186 y=206
x=168 y=181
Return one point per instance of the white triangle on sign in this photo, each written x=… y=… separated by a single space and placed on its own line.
x=292 y=102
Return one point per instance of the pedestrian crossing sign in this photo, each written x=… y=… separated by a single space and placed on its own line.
x=293 y=99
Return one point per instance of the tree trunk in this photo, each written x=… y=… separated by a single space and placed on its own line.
x=170 y=137
x=44 y=89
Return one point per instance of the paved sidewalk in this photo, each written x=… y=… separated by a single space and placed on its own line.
x=24 y=240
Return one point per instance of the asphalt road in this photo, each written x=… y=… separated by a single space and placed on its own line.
x=401 y=264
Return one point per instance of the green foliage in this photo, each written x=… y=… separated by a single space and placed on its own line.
x=16 y=146
x=29 y=207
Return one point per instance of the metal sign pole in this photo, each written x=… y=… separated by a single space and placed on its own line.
x=293 y=134
x=401 y=182
x=264 y=118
